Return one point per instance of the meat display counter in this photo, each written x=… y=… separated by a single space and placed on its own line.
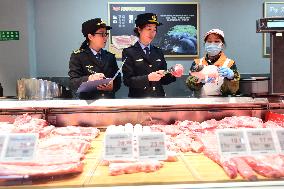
x=192 y=170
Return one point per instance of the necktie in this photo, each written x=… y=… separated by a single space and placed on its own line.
x=99 y=56
x=147 y=51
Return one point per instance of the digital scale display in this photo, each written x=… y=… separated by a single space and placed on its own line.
x=275 y=24
x=266 y=25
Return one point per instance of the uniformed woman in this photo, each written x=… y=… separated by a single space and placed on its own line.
x=91 y=62
x=145 y=65
x=228 y=82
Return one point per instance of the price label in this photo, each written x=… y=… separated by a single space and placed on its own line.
x=280 y=137
x=231 y=142
x=260 y=141
x=20 y=147
x=151 y=146
x=118 y=146
x=2 y=141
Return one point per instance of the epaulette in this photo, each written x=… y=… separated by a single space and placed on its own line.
x=78 y=51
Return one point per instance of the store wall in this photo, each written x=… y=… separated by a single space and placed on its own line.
x=58 y=25
x=17 y=58
x=51 y=29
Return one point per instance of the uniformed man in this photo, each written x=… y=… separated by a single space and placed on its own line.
x=91 y=62
x=145 y=65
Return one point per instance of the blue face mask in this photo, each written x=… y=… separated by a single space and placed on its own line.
x=212 y=49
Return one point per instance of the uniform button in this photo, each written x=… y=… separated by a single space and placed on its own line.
x=103 y=94
x=150 y=65
x=154 y=88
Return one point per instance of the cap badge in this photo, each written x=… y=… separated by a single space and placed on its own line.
x=100 y=23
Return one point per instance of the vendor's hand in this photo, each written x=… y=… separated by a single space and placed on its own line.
x=208 y=80
x=106 y=87
x=226 y=72
x=96 y=76
x=156 y=76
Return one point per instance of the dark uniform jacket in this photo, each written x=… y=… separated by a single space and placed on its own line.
x=84 y=63
x=136 y=68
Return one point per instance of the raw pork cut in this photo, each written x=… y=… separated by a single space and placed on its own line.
x=207 y=71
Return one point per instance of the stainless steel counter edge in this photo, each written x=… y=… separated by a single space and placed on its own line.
x=120 y=103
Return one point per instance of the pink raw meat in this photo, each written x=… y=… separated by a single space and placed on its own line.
x=206 y=72
x=177 y=70
x=136 y=167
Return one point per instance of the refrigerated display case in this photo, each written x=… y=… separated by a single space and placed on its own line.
x=192 y=170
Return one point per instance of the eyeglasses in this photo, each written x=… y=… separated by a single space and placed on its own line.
x=103 y=34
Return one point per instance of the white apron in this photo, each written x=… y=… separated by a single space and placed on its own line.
x=213 y=88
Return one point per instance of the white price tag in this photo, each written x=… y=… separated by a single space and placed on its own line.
x=151 y=146
x=118 y=146
x=2 y=141
x=260 y=141
x=231 y=142
x=280 y=137
x=20 y=147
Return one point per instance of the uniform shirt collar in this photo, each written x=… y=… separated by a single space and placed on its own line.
x=143 y=46
x=95 y=52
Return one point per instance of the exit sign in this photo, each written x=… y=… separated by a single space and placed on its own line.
x=9 y=35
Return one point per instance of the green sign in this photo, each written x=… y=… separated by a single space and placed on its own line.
x=9 y=35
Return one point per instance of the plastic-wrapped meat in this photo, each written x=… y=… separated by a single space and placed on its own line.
x=28 y=124
x=172 y=156
x=209 y=124
x=40 y=170
x=261 y=168
x=86 y=133
x=189 y=125
x=108 y=162
x=210 y=71
x=22 y=119
x=228 y=166
x=272 y=124
x=274 y=161
x=241 y=121
x=183 y=142
x=209 y=141
x=65 y=143
x=57 y=150
x=6 y=127
x=51 y=157
x=244 y=169
x=27 y=119
x=177 y=70
x=135 y=167
x=196 y=146
x=46 y=131
x=172 y=130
